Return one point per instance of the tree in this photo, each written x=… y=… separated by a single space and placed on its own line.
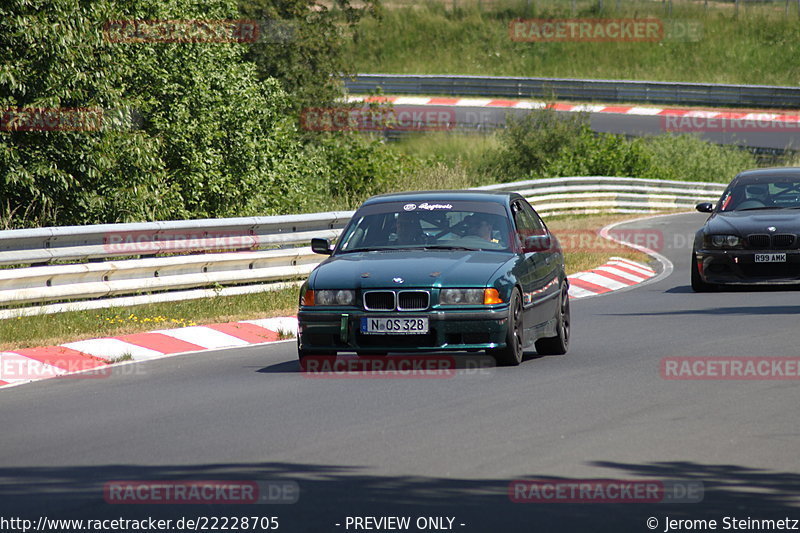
x=209 y=139
x=302 y=43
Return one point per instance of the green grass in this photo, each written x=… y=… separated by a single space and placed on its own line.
x=44 y=330
x=759 y=46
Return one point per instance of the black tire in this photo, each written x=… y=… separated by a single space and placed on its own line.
x=698 y=285
x=559 y=344
x=511 y=354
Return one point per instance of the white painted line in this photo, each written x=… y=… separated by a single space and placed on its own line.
x=474 y=102
x=601 y=280
x=16 y=368
x=203 y=336
x=702 y=114
x=412 y=100
x=644 y=111
x=760 y=116
x=589 y=108
x=111 y=348
x=531 y=105
x=638 y=267
x=646 y=274
x=621 y=273
x=577 y=292
x=283 y=323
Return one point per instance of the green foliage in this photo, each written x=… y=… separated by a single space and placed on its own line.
x=677 y=157
x=358 y=166
x=301 y=45
x=545 y=144
x=212 y=140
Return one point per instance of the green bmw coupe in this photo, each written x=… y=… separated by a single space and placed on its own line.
x=438 y=271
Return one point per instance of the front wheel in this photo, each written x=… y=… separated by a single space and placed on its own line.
x=698 y=285
x=511 y=355
x=559 y=344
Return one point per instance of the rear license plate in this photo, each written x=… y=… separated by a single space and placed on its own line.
x=770 y=258
x=412 y=325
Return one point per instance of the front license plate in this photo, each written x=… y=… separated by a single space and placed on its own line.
x=412 y=325
x=770 y=258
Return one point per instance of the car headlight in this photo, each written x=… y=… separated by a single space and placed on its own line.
x=469 y=297
x=723 y=241
x=332 y=297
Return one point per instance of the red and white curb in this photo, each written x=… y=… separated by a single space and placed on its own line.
x=94 y=357
x=724 y=114
x=617 y=274
x=72 y=358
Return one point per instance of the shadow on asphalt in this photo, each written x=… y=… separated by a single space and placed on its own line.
x=329 y=493
x=687 y=289
x=718 y=311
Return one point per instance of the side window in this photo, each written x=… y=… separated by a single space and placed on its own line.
x=538 y=226
x=524 y=224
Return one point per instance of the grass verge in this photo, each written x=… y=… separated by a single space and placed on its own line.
x=583 y=248
x=759 y=44
x=46 y=330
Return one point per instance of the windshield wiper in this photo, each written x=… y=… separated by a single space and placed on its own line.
x=760 y=208
x=362 y=249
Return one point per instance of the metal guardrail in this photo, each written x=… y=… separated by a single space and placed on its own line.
x=608 y=91
x=168 y=261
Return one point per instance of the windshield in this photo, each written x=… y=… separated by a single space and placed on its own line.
x=442 y=225
x=778 y=194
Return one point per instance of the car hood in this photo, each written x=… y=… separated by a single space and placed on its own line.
x=416 y=268
x=746 y=222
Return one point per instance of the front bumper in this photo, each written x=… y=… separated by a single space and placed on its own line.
x=738 y=267
x=453 y=330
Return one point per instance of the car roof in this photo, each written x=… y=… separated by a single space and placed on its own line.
x=500 y=197
x=767 y=174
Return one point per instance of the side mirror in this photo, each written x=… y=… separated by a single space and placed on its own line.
x=705 y=207
x=321 y=246
x=537 y=243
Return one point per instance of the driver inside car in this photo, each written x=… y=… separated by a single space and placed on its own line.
x=480 y=226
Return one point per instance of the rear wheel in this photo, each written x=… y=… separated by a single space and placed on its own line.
x=559 y=344
x=511 y=355
x=698 y=285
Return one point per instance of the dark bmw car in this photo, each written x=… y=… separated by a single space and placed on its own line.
x=751 y=236
x=438 y=271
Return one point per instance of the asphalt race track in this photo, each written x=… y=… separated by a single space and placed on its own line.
x=481 y=118
x=440 y=447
